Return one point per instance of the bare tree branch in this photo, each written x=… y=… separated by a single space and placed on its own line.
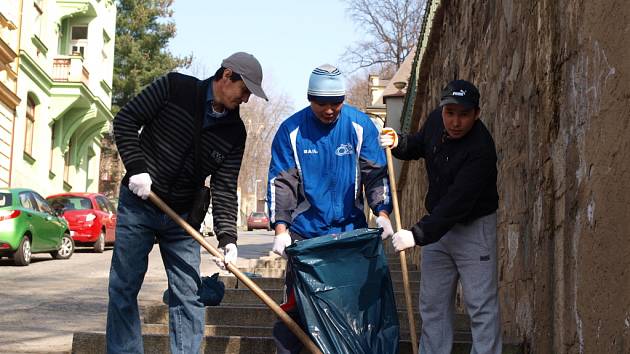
x=357 y=93
x=392 y=28
x=261 y=120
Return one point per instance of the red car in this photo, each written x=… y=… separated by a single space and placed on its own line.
x=257 y=220
x=91 y=218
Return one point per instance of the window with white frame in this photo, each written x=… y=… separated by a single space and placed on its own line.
x=106 y=44
x=52 y=146
x=66 y=165
x=78 y=40
x=39 y=17
x=30 y=126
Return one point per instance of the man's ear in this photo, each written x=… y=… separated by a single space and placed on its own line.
x=227 y=73
x=477 y=113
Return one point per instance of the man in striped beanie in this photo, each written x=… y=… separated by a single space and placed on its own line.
x=322 y=158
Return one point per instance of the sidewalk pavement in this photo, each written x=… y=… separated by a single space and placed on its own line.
x=50 y=300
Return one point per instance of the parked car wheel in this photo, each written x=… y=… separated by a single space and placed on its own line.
x=66 y=249
x=99 y=245
x=22 y=256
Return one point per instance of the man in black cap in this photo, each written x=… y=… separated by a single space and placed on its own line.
x=171 y=136
x=459 y=231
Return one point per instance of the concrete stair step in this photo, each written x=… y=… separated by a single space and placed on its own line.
x=264 y=262
x=394 y=264
x=395 y=261
x=280 y=263
x=463 y=347
x=94 y=343
x=274 y=266
x=264 y=331
x=231 y=282
x=268 y=272
x=214 y=330
x=414 y=275
x=396 y=267
x=275 y=262
x=157 y=343
x=262 y=316
x=396 y=275
x=395 y=257
x=235 y=297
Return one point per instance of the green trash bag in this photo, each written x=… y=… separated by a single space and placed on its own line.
x=344 y=292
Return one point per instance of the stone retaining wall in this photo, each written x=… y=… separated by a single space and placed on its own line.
x=556 y=96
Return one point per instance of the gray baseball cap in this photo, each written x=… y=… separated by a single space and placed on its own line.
x=250 y=70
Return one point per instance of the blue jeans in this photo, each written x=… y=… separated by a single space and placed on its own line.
x=139 y=223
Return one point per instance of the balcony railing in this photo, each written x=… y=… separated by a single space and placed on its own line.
x=70 y=69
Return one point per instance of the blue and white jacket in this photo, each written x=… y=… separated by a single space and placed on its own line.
x=318 y=171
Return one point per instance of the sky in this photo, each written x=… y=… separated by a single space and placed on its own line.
x=289 y=38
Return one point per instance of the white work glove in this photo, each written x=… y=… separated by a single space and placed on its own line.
x=402 y=240
x=386 y=225
x=280 y=242
x=388 y=138
x=230 y=255
x=140 y=185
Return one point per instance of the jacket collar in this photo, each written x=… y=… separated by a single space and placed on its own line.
x=203 y=85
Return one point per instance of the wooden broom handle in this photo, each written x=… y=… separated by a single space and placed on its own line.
x=293 y=326
x=403 y=257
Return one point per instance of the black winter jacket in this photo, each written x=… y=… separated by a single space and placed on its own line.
x=462 y=176
x=165 y=110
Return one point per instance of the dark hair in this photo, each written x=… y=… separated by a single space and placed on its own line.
x=219 y=74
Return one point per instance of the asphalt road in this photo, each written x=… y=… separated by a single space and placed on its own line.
x=44 y=303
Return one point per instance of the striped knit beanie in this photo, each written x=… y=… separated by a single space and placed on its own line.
x=326 y=85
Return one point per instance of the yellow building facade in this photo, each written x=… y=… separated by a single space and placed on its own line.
x=8 y=86
x=62 y=72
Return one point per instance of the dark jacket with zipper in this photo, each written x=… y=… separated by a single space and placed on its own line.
x=166 y=112
x=462 y=176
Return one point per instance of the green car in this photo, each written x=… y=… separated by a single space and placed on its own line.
x=29 y=225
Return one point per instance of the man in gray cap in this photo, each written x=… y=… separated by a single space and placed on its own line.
x=189 y=129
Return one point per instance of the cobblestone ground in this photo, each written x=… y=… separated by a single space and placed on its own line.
x=45 y=302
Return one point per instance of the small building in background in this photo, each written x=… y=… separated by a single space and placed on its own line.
x=393 y=97
x=376 y=110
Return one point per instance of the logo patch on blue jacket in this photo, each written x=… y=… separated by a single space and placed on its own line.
x=344 y=149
